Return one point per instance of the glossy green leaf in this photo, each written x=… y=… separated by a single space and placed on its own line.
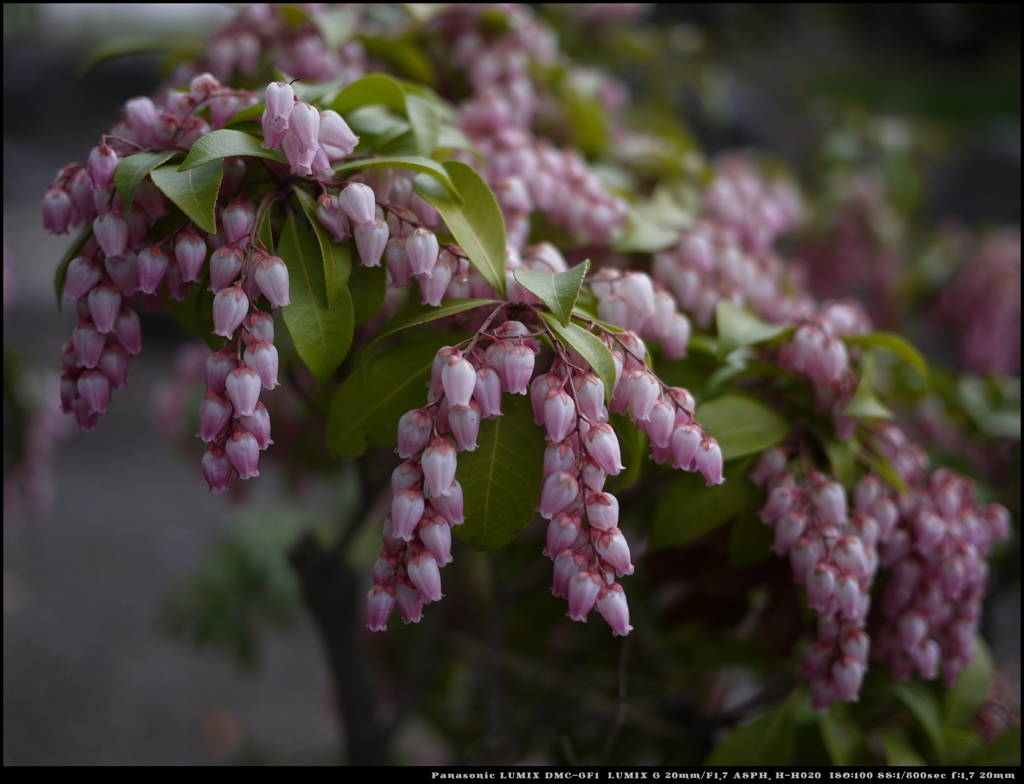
x=227 y=143
x=689 y=508
x=425 y=123
x=322 y=334
x=898 y=750
x=476 y=222
x=590 y=347
x=372 y=90
x=768 y=740
x=922 y=703
x=194 y=191
x=368 y=286
x=61 y=275
x=131 y=171
x=417 y=314
x=749 y=539
x=188 y=47
x=840 y=459
x=558 y=291
x=365 y=409
x=880 y=465
x=413 y=162
x=265 y=231
x=403 y=52
x=1004 y=750
x=841 y=735
x=738 y=328
x=971 y=689
x=252 y=113
x=740 y=425
x=895 y=344
x=336 y=256
x=501 y=481
x=865 y=404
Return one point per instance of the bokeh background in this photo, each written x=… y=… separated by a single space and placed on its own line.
x=92 y=673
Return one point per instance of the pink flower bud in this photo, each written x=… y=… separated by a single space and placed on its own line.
x=497 y=354
x=611 y=603
x=829 y=501
x=83 y=275
x=849 y=555
x=559 y=492
x=407 y=475
x=89 y=344
x=661 y=423
x=216 y=468
x=225 y=265
x=94 y=389
x=371 y=240
x=439 y=463
x=539 y=389
x=458 y=379
x=642 y=392
x=380 y=603
x=559 y=457
x=789 y=528
x=911 y=629
x=272 y=277
x=487 y=392
x=413 y=432
x=358 y=202
x=602 y=510
x=123 y=271
x=436 y=536
x=805 y=553
x=676 y=341
x=423 y=573
x=603 y=448
x=518 y=369
x=57 y=210
x=583 y=590
x=410 y=602
x=856 y=644
x=244 y=453
x=562 y=532
x=328 y=210
x=218 y=366
x=114 y=366
x=435 y=286
x=847 y=674
x=590 y=394
x=926 y=657
x=280 y=103
x=229 y=309
x=128 y=331
x=450 y=506
x=259 y=425
x=177 y=288
x=593 y=476
x=637 y=290
x=304 y=123
x=68 y=392
x=111 y=233
x=559 y=414
x=612 y=547
x=104 y=306
x=335 y=137
x=821 y=583
x=422 y=250
x=406 y=511
x=237 y=219
x=929 y=529
x=300 y=160
x=464 y=422
x=243 y=390
x=398 y=262
x=214 y=414
x=709 y=462
x=151 y=266
x=102 y=163
x=262 y=357
x=847 y=595
x=258 y=326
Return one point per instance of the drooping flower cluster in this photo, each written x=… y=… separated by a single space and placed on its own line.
x=834 y=555
x=935 y=550
x=631 y=300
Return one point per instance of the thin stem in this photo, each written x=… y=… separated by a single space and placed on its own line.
x=620 y=714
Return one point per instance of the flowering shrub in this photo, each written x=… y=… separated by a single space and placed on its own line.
x=310 y=223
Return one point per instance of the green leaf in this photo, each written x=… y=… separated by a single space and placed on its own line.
x=476 y=223
x=425 y=123
x=131 y=171
x=194 y=191
x=558 y=291
x=865 y=405
x=321 y=334
x=740 y=425
x=925 y=707
x=365 y=409
x=738 y=328
x=840 y=458
x=642 y=235
x=971 y=689
x=689 y=508
x=413 y=162
x=188 y=47
x=961 y=744
x=62 y=269
x=337 y=256
x=265 y=231
x=841 y=735
x=633 y=445
x=414 y=315
x=590 y=347
x=749 y=539
x=368 y=285
x=501 y=481
x=248 y=113
x=898 y=751
x=880 y=465
x=895 y=344
x=226 y=143
x=336 y=26
x=1004 y=750
x=404 y=53
x=767 y=740
x=374 y=89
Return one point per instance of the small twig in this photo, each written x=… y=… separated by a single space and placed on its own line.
x=620 y=714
